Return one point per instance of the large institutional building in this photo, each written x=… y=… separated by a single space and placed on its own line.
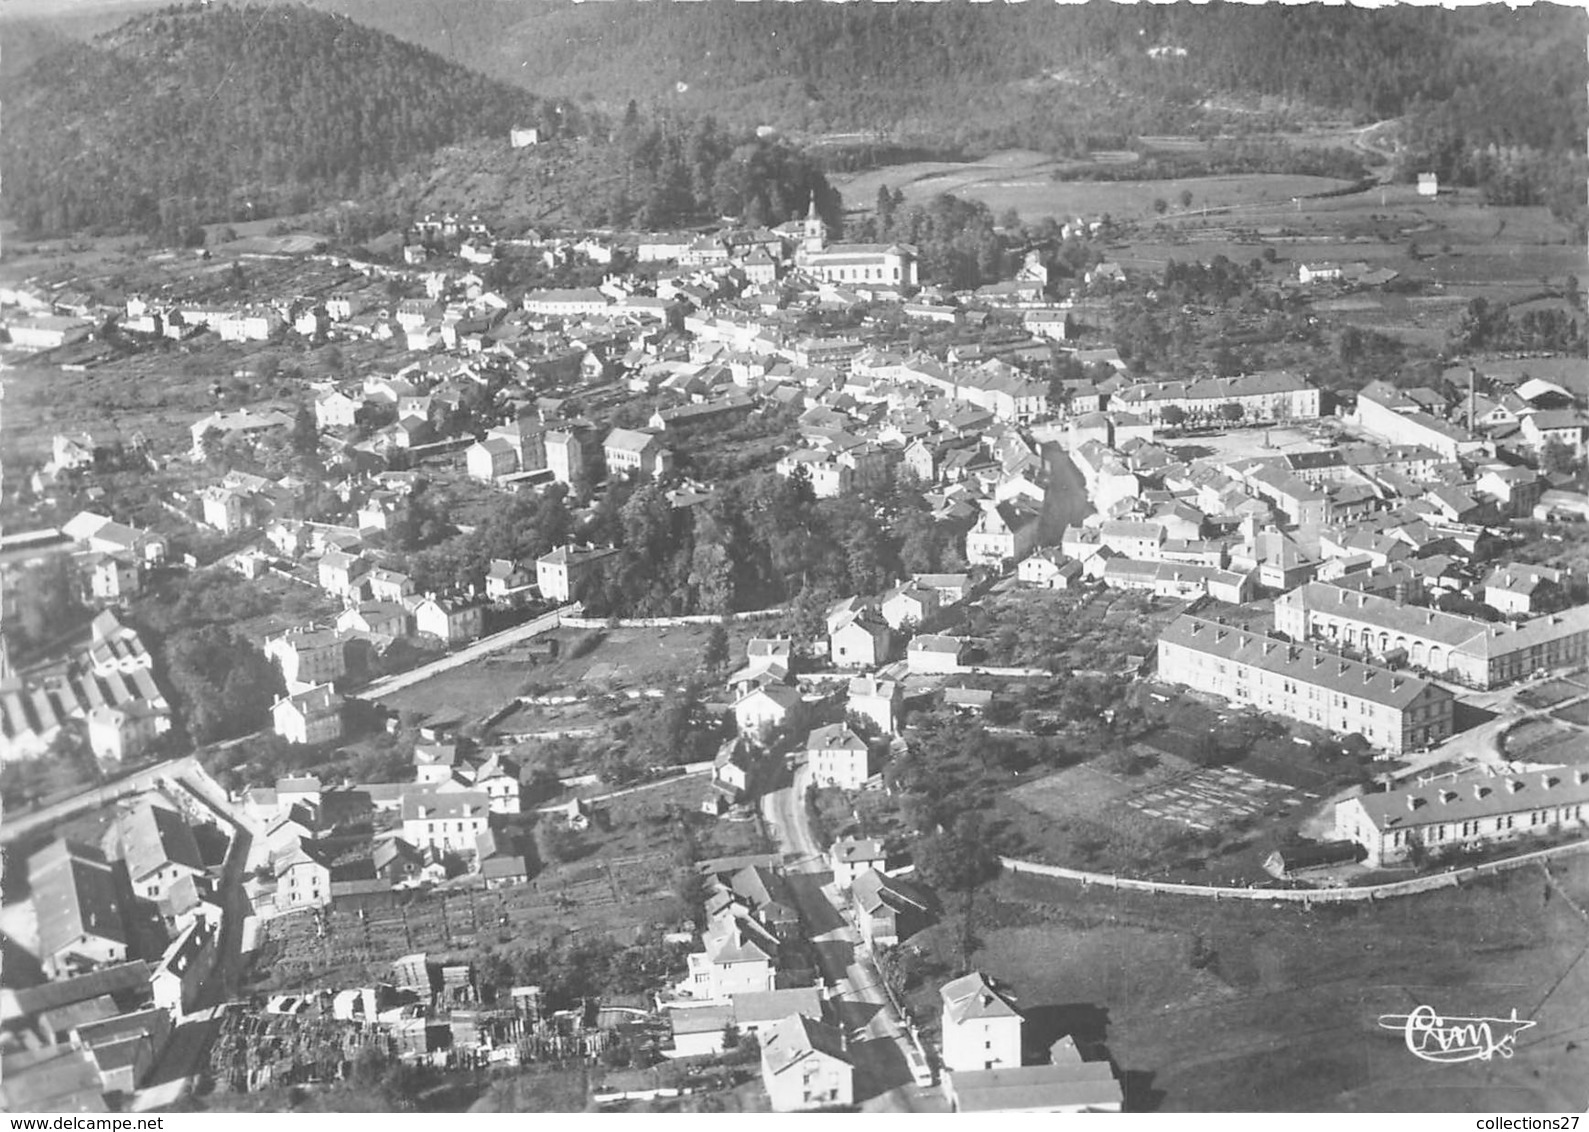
x=892 y=265
x=1272 y=396
x=1480 y=654
x=1464 y=811
x=1391 y=415
x=1391 y=710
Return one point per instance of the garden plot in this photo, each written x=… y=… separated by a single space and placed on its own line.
x=1551 y=693
x=1209 y=799
x=1079 y=791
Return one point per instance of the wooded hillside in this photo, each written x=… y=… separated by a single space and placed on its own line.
x=1023 y=74
x=205 y=114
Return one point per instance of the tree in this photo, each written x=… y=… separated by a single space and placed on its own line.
x=960 y=858
x=46 y=599
x=885 y=212
x=1230 y=411
x=561 y=843
x=305 y=438
x=1160 y=205
x=67 y=765
x=1186 y=198
x=1173 y=415
x=715 y=654
x=224 y=684
x=1557 y=458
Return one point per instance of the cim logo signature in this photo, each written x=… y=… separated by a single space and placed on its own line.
x=1444 y=1040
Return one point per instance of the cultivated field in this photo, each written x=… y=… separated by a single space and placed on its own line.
x=1207 y=1006
x=1025 y=182
x=1550 y=693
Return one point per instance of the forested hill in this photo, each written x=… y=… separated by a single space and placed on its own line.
x=203 y=114
x=1050 y=76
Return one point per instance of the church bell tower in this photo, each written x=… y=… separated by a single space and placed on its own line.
x=816 y=238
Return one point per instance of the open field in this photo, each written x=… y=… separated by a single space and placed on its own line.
x=471 y=690
x=589 y=660
x=1279 y=1012
x=1025 y=182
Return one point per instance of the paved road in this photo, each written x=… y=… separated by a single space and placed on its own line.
x=485 y=646
x=878 y=1040
x=1064 y=499
x=785 y=811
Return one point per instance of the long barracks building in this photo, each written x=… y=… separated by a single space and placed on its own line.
x=1392 y=710
x=1480 y=654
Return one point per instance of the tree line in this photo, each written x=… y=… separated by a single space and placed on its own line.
x=757 y=542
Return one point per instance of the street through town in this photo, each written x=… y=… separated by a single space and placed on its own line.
x=881 y=1049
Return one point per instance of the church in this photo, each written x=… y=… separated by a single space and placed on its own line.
x=888 y=264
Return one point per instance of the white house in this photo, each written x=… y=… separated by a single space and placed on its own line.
x=450 y=822
x=805 y=1064
x=861 y=642
x=490 y=459
x=981 y=1027
x=838 y=757
x=933 y=652
x=766 y=707
x=310 y=717
x=1005 y=532
x=852 y=856
x=876 y=700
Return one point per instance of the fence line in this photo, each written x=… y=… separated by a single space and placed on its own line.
x=1452 y=878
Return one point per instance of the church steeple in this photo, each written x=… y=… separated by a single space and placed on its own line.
x=816 y=237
